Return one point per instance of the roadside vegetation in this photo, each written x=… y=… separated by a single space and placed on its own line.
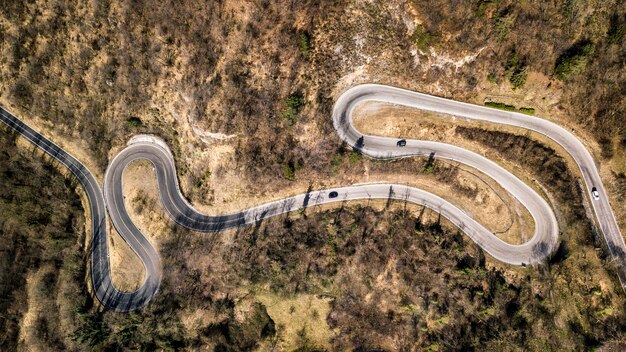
x=41 y=251
x=268 y=72
x=382 y=278
x=528 y=111
x=424 y=39
x=501 y=106
x=387 y=277
x=509 y=107
x=292 y=106
x=515 y=71
x=574 y=60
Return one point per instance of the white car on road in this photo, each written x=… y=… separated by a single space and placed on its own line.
x=594 y=193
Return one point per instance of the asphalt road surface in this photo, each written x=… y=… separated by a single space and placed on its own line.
x=144 y=147
x=605 y=218
x=104 y=290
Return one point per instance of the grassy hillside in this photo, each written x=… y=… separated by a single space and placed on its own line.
x=385 y=278
x=243 y=92
x=268 y=71
x=41 y=251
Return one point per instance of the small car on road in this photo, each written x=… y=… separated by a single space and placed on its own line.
x=401 y=143
x=333 y=194
x=594 y=193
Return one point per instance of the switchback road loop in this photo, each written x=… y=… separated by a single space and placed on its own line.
x=144 y=147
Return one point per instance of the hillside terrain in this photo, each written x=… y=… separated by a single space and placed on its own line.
x=42 y=256
x=312 y=281
x=243 y=91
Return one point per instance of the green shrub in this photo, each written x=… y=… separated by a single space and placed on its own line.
x=528 y=111
x=574 y=61
x=481 y=8
x=518 y=79
x=336 y=163
x=92 y=330
x=424 y=39
x=133 y=121
x=516 y=71
x=354 y=157
x=616 y=31
x=289 y=172
x=292 y=106
x=304 y=44
x=502 y=25
x=501 y=106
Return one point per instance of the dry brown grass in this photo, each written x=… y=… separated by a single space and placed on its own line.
x=410 y=123
x=127 y=270
x=486 y=206
x=61 y=135
x=142 y=200
x=27 y=340
x=494 y=207
x=232 y=64
x=293 y=315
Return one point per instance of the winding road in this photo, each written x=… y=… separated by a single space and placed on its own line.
x=145 y=147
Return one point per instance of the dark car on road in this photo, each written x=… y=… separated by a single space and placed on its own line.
x=333 y=194
x=401 y=143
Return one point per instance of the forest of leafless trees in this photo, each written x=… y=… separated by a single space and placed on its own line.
x=103 y=71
